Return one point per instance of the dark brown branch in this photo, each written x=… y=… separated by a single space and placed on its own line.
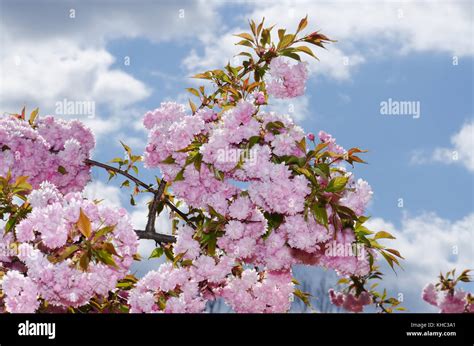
x=119 y=171
x=149 y=232
x=158 y=237
x=150 y=225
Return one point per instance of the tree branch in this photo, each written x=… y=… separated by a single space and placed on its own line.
x=158 y=237
x=119 y=171
x=149 y=232
x=150 y=225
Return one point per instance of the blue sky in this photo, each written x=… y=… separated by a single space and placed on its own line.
x=398 y=50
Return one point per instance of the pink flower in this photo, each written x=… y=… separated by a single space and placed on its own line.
x=447 y=301
x=159 y=283
x=358 y=197
x=186 y=244
x=53 y=223
x=430 y=294
x=250 y=294
x=21 y=294
x=287 y=80
x=327 y=138
x=259 y=98
x=349 y=301
x=53 y=151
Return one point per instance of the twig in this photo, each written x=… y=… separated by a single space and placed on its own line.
x=119 y=171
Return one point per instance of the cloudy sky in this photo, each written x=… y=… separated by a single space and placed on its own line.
x=128 y=56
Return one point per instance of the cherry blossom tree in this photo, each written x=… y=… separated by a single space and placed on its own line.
x=250 y=195
x=446 y=296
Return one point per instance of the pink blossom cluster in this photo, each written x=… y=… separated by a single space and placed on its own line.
x=21 y=294
x=167 y=289
x=254 y=292
x=51 y=150
x=252 y=183
x=332 y=146
x=357 y=196
x=349 y=301
x=447 y=301
x=51 y=228
x=287 y=80
x=344 y=255
x=231 y=163
x=246 y=176
x=285 y=141
x=243 y=232
x=170 y=131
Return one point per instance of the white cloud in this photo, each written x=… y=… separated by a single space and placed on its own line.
x=461 y=152
x=97 y=190
x=364 y=31
x=47 y=56
x=399 y=26
x=297 y=108
x=47 y=72
x=99 y=21
x=430 y=245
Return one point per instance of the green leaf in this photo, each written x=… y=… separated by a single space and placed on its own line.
x=245 y=36
x=306 y=50
x=274 y=126
x=193 y=91
x=383 y=234
x=322 y=169
x=169 y=160
x=33 y=116
x=193 y=106
x=285 y=41
x=274 y=220
x=84 y=224
x=292 y=55
x=169 y=254
x=67 y=252
x=390 y=259
x=118 y=160
x=157 y=253
x=342 y=281
x=303 y=23
x=303 y=296
x=320 y=214
x=337 y=184
x=179 y=176
x=127 y=148
x=105 y=257
x=302 y=145
x=84 y=261
x=62 y=170
x=395 y=252
x=281 y=33
x=103 y=231
x=110 y=248
x=198 y=162
x=205 y=75
x=266 y=37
